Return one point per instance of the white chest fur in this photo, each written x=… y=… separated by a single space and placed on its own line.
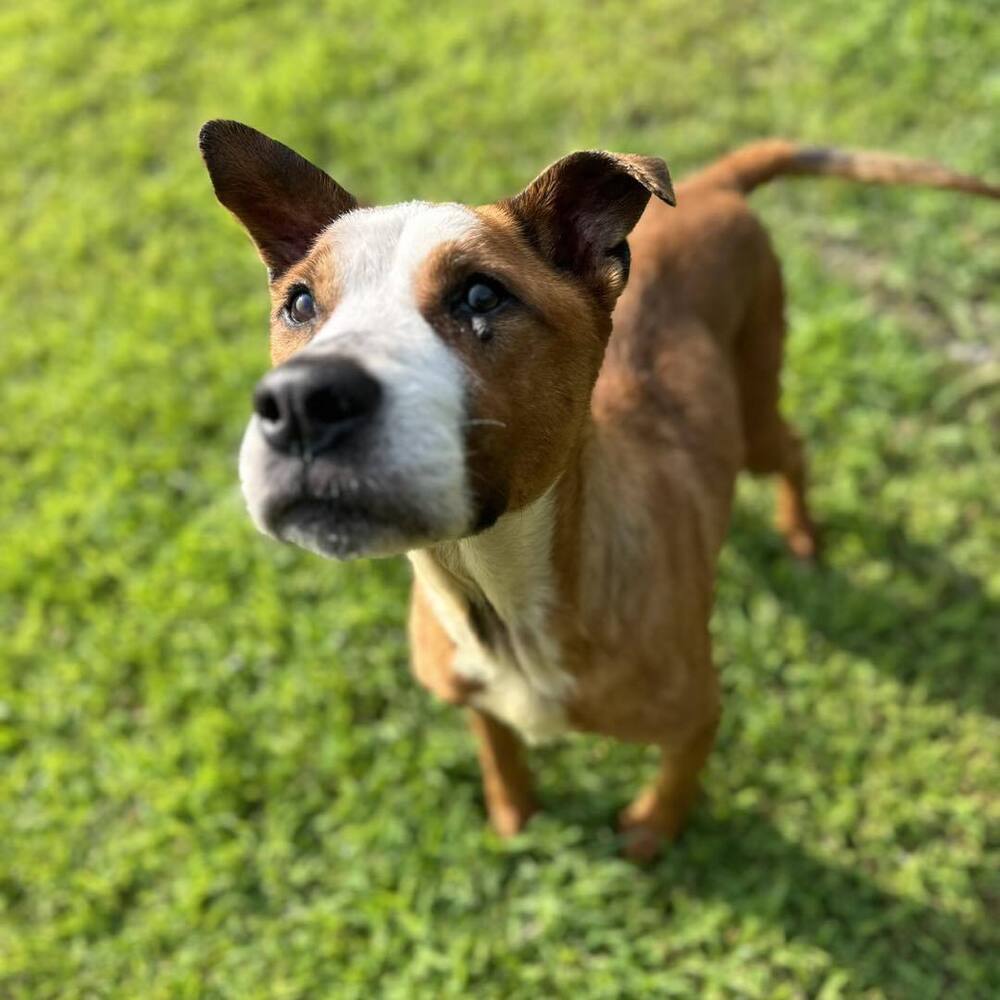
x=509 y=569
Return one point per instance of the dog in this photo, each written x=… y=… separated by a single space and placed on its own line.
x=544 y=402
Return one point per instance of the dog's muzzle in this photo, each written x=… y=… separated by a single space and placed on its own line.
x=310 y=466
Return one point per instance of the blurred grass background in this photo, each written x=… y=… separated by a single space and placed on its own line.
x=218 y=779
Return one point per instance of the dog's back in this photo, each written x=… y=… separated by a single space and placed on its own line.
x=693 y=365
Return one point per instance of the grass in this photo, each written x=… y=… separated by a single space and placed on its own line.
x=218 y=779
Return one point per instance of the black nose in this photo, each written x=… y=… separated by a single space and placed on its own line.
x=308 y=406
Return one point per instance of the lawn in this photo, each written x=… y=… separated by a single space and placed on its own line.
x=217 y=778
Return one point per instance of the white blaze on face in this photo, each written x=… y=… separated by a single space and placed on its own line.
x=377 y=322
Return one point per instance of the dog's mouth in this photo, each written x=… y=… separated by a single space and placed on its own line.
x=344 y=527
x=358 y=501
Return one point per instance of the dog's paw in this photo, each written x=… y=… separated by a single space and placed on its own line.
x=640 y=843
x=803 y=545
x=508 y=819
x=652 y=821
x=646 y=827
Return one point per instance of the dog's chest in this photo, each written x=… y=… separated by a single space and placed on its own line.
x=493 y=595
x=516 y=670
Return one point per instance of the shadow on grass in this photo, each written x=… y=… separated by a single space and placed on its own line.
x=927 y=623
x=904 y=948
x=876 y=939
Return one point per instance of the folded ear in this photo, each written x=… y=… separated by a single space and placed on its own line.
x=283 y=201
x=579 y=211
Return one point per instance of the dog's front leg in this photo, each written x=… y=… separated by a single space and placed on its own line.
x=507 y=784
x=659 y=811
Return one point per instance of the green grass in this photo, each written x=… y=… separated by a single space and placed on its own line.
x=218 y=779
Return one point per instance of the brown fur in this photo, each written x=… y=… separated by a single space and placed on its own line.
x=531 y=383
x=687 y=395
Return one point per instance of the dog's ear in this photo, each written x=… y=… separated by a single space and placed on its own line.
x=580 y=210
x=283 y=201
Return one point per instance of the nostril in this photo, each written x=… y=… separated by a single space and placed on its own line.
x=267 y=407
x=274 y=414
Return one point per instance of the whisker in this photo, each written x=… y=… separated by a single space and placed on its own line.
x=484 y=422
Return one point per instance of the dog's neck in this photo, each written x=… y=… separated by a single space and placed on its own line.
x=568 y=567
x=505 y=571
x=507 y=575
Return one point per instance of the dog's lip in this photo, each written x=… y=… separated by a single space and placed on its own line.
x=345 y=512
x=343 y=526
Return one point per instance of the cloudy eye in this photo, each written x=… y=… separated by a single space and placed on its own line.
x=301 y=308
x=483 y=295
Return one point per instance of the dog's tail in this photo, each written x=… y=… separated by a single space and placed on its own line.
x=759 y=162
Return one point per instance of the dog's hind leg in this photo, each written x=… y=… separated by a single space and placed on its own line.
x=792 y=516
x=776 y=449
x=772 y=447
x=507 y=784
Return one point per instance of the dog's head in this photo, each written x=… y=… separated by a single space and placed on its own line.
x=433 y=362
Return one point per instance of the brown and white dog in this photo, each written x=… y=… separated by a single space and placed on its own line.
x=547 y=418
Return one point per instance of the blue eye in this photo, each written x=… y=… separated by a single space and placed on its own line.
x=301 y=308
x=483 y=297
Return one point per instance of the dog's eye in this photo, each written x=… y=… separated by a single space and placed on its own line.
x=301 y=308
x=483 y=295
